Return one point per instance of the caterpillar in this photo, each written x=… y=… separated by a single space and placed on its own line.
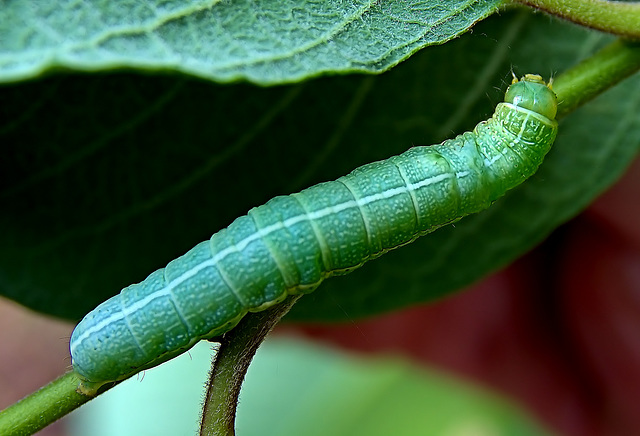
x=292 y=243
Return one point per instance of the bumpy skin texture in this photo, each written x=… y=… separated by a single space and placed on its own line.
x=292 y=243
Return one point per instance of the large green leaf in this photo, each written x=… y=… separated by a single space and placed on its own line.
x=264 y=42
x=108 y=177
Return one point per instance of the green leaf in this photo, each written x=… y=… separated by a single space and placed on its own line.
x=264 y=42
x=105 y=178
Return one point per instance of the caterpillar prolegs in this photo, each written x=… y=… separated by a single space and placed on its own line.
x=292 y=243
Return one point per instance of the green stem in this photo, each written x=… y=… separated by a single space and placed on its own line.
x=237 y=349
x=619 y=18
x=43 y=407
x=596 y=74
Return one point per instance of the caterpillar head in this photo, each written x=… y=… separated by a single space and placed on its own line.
x=531 y=92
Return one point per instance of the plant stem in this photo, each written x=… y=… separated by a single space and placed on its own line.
x=596 y=74
x=619 y=18
x=42 y=407
x=230 y=366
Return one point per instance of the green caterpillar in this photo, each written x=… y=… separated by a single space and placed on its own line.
x=292 y=243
